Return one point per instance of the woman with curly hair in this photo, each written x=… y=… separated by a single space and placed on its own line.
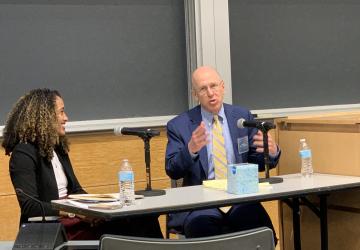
x=34 y=137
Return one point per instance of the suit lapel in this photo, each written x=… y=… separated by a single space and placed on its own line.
x=196 y=118
x=232 y=117
x=65 y=167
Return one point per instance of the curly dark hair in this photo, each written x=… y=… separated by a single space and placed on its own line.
x=33 y=120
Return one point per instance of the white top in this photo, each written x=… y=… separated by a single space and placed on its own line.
x=60 y=176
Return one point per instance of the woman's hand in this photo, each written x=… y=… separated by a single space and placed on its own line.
x=93 y=221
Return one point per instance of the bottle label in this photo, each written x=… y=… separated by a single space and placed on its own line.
x=305 y=153
x=126 y=176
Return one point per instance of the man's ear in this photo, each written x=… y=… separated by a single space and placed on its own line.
x=194 y=94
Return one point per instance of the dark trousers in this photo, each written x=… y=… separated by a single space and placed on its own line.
x=208 y=222
x=142 y=226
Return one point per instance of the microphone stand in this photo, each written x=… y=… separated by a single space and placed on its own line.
x=271 y=180
x=148 y=191
x=19 y=191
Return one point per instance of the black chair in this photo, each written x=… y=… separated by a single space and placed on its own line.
x=257 y=239
x=169 y=229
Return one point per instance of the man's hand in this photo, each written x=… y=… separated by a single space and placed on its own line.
x=259 y=143
x=199 y=139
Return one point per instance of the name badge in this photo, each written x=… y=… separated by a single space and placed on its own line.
x=243 y=144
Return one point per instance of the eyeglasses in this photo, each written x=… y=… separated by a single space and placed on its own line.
x=214 y=86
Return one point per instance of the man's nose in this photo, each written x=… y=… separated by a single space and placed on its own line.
x=209 y=91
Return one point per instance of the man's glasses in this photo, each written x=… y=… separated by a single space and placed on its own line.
x=214 y=87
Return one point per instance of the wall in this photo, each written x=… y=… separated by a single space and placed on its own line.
x=96 y=53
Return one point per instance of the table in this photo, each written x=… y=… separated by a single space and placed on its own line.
x=6 y=245
x=293 y=189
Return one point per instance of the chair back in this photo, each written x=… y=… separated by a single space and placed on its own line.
x=177 y=183
x=257 y=239
x=169 y=229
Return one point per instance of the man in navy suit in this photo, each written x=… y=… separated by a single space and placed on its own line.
x=189 y=156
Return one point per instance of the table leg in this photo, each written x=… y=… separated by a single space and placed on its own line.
x=296 y=223
x=323 y=222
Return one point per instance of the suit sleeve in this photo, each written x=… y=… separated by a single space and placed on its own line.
x=23 y=173
x=178 y=160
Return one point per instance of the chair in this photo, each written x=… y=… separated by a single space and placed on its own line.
x=169 y=229
x=257 y=239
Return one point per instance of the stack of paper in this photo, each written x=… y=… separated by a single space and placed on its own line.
x=94 y=197
x=97 y=201
x=216 y=184
x=96 y=205
x=222 y=185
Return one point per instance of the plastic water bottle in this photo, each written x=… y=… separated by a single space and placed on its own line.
x=126 y=183
x=306 y=159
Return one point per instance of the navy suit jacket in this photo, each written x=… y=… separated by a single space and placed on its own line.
x=180 y=164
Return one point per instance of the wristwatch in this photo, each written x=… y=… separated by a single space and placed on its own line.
x=71 y=215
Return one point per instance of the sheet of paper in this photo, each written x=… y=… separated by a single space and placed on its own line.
x=216 y=184
x=98 y=197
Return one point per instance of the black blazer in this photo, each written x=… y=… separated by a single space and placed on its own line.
x=35 y=176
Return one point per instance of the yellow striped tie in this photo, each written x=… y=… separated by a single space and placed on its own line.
x=219 y=152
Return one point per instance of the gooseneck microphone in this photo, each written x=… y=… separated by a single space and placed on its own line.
x=141 y=132
x=19 y=191
x=39 y=236
x=242 y=123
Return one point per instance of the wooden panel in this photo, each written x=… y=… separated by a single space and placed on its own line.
x=10 y=216
x=272 y=208
x=342 y=117
x=6 y=187
x=335 y=144
x=103 y=153
x=333 y=152
x=343 y=216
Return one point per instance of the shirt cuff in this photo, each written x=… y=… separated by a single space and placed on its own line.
x=277 y=153
x=193 y=155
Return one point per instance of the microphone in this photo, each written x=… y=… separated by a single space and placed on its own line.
x=141 y=132
x=19 y=191
x=264 y=127
x=242 y=123
x=39 y=236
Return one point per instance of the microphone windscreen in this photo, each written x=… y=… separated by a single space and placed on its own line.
x=240 y=123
